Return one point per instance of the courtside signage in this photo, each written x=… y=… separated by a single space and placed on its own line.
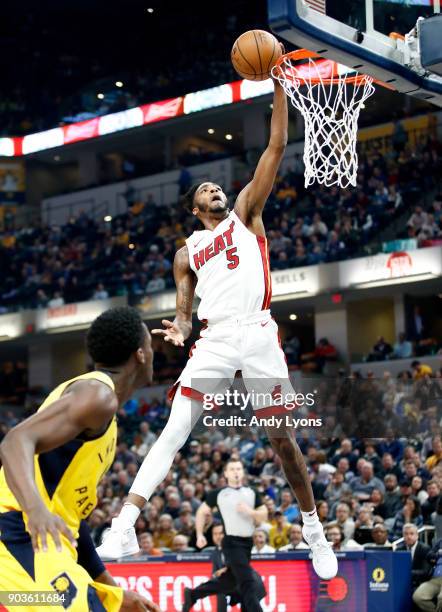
x=422 y=264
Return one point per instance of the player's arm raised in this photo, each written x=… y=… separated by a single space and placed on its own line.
x=250 y=202
x=178 y=330
x=86 y=406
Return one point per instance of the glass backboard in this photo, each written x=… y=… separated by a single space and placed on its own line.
x=380 y=16
x=357 y=33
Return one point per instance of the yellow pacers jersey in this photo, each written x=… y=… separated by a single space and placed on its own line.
x=67 y=477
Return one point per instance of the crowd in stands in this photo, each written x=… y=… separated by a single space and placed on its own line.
x=48 y=265
x=425 y=225
x=376 y=461
x=337 y=221
x=403 y=348
x=158 y=58
x=418 y=341
x=372 y=488
x=55 y=81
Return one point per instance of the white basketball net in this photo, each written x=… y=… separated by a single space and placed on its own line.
x=331 y=113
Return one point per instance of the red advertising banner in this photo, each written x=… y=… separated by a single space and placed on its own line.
x=159 y=111
x=374 y=581
x=81 y=131
x=291 y=585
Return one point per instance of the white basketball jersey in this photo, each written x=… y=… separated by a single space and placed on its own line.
x=232 y=268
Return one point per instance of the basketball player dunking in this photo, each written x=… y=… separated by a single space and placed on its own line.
x=227 y=266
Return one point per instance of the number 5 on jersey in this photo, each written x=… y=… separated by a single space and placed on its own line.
x=232 y=258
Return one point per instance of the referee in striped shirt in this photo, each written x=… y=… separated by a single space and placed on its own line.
x=240 y=508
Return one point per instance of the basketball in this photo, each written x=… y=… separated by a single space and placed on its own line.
x=254 y=54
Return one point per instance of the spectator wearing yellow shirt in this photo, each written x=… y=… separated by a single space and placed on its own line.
x=279 y=534
x=165 y=230
x=163 y=536
x=180 y=242
x=9 y=240
x=436 y=457
x=420 y=370
x=122 y=237
x=286 y=191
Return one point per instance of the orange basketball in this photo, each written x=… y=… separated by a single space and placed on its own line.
x=254 y=54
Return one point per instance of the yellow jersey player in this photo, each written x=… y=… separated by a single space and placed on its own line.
x=52 y=463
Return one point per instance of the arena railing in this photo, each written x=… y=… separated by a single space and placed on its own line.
x=74 y=207
x=426 y=535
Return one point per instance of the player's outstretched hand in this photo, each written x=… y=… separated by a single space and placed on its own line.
x=171 y=333
x=132 y=602
x=42 y=523
x=201 y=541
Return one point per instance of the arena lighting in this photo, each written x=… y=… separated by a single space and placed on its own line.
x=211 y=131
x=293 y=317
x=100 y=96
x=413 y=278
x=119 y=83
x=107 y=218
x=228 y=136
x=150 y=10
x=131 y=246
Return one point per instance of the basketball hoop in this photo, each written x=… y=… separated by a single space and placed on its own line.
x=330 y=98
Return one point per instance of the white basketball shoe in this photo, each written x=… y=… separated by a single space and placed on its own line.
x=324 y=559
x=119 y=541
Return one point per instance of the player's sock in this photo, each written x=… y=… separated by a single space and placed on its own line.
x=129 y=514
x=155 y=467
x=310 y=519
x=121 y=539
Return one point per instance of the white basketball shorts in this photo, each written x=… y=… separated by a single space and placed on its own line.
x=250 y=344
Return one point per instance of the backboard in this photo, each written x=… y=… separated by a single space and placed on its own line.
x=357 y=33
